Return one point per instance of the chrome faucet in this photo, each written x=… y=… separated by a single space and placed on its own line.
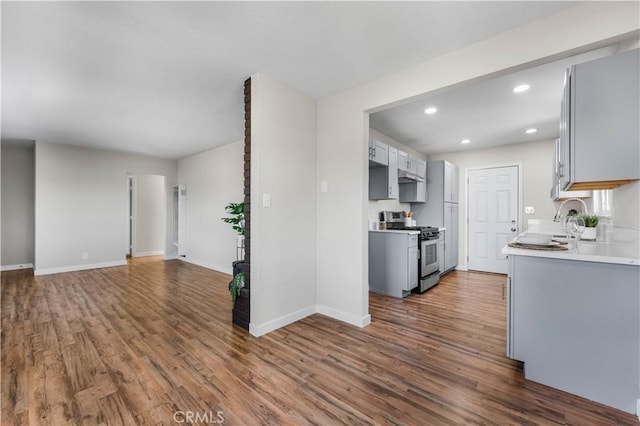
x=585 y=210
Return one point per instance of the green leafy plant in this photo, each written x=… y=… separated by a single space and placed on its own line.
x=236 y=285
x=236 y=210
x=590 y=220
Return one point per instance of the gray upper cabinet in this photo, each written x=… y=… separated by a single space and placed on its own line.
x=383 y=181
x=556 y=193
x=422 y=168
x=378 y=153
x=411 y=164
x=450 y=183
x=599 y=132
x=403 y=161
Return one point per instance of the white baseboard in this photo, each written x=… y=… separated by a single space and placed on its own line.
x=262 y=329
x=208 y=265
x=344 y=316
x=18 y=266
x=638 y=408
x=148 y=253
x=60 y=269
x=171 y=257
x=461 y=268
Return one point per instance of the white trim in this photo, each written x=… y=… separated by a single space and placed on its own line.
x=344 y=316
x=262 y=329
x=15 y=267
x=149 y=253
x=171 y=257
x=60 y=269
x=207 y=265
x=134 y=212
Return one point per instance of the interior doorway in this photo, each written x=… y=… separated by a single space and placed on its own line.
x=493 y=200
x=146 y=215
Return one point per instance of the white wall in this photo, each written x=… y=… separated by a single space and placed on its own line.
x=536 y=160
x=626 y=206
x=283 y=239
x=376 y=206
x=150 y=215
x=17 y=207
x=213 y=179
x=81 y=205
x=343 y=126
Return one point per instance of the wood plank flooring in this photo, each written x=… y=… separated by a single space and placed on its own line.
x=152 y=343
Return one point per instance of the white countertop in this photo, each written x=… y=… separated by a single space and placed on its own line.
x=620 y=252
x=396 y=231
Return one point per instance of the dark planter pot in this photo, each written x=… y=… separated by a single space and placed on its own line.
x=241 y=307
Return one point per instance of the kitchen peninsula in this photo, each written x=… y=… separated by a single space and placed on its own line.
x=573 y=318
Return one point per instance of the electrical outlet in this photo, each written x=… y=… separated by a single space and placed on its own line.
x=85 y=255
x=529 y=210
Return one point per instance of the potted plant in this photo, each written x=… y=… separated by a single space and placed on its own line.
x=236 y=210
x=239 y=285
x=590 y=222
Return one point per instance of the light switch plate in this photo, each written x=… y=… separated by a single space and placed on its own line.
x=324 y=186
x=266 y=200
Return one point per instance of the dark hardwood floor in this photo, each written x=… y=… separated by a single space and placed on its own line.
x=152 y=343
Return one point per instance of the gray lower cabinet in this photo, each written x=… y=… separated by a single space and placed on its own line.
x=451 y=236
x=393 y=263
x=576 y=326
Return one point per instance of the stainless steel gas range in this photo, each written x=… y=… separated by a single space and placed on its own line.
x=428 y=265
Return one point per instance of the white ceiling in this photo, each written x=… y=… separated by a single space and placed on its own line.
x=165 y=78
x=487 y=113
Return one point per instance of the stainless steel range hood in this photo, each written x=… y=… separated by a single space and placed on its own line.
x=408 y=177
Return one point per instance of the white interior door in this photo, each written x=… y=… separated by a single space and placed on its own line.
x=493 y=216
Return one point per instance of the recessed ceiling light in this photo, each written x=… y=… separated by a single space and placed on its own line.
x=430 y=110
x=521 y=88
x=531 y=131
x=465 y=141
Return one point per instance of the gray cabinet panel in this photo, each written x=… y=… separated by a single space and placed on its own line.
x=393 y=263
x=442 y=184
x=576 y=326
